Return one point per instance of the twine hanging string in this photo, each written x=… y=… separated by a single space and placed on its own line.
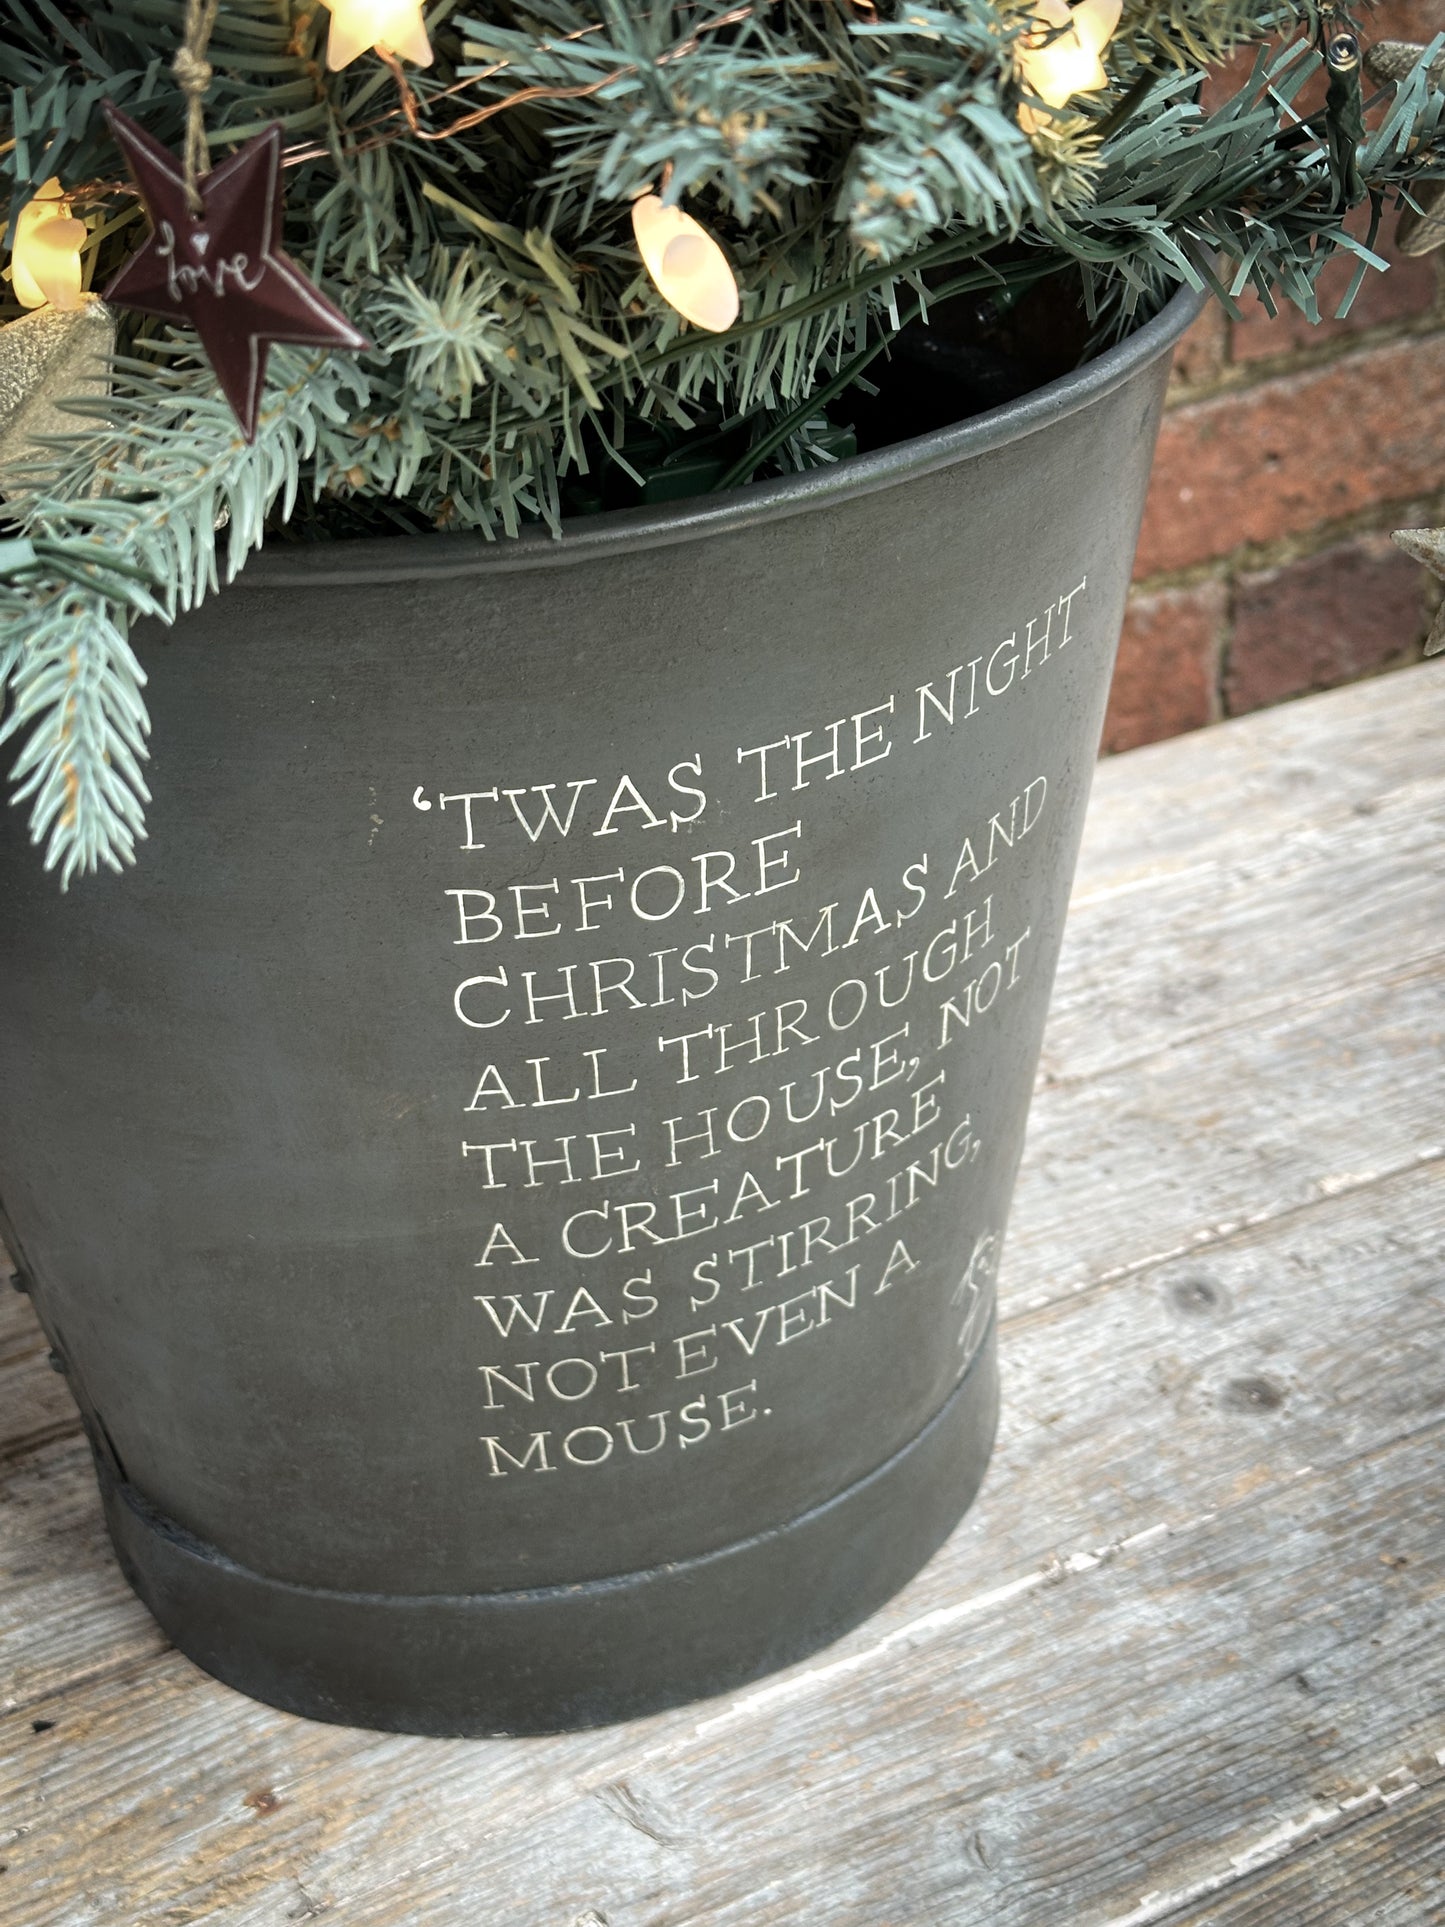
x=193 y=76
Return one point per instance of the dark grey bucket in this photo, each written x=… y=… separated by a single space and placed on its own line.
x=518 y=1279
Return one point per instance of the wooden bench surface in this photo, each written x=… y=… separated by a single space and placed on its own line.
x=1184 y=1662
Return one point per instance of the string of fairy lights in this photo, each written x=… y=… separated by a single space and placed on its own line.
x=45 y=266
x=1062 y=57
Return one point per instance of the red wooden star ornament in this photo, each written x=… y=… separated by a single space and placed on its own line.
x=223 y=271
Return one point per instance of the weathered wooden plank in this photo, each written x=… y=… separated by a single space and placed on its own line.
x=1207 y=837
x=987 y=1776
x=1265 y=919
x=1202 y=1381
x=1116 y=1726
x=20 y=1336
x=65 y=1611
x=1377 y=1860
x=1179 y=1149
x=1176 y=801
x=1168 y=1401
x=1252 y=966
x=35 y=1407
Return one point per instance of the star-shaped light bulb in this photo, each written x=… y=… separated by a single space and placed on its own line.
x=1062 y=58
x=687 y=267
x=45 y=265
x=390 y=26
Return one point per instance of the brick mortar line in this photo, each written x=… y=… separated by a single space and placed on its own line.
x=1249 y=558
x=1221 y=647
x=1240 y=377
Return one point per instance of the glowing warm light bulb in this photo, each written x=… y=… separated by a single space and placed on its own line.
x=688 y=268
x=1063 y=58
x=390 y=26
x=45 y=265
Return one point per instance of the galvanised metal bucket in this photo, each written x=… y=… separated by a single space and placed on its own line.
x=516 y=1175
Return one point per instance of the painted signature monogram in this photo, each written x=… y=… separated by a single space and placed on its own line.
x=218 y=277
x=971 y=1296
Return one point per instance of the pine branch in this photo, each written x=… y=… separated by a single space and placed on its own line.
x=75 y=685
x=126 y=526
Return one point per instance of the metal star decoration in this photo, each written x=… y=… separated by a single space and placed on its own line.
x=224 y=270
x=48 y=357
x=1427 y=546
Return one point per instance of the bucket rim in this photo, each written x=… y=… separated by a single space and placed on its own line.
x=442 y=556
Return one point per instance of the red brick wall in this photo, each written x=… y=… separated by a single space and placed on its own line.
x=1288 y=453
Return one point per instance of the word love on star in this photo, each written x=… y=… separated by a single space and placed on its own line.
x=223 y=271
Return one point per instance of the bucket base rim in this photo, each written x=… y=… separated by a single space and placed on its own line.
x=560 y=1658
